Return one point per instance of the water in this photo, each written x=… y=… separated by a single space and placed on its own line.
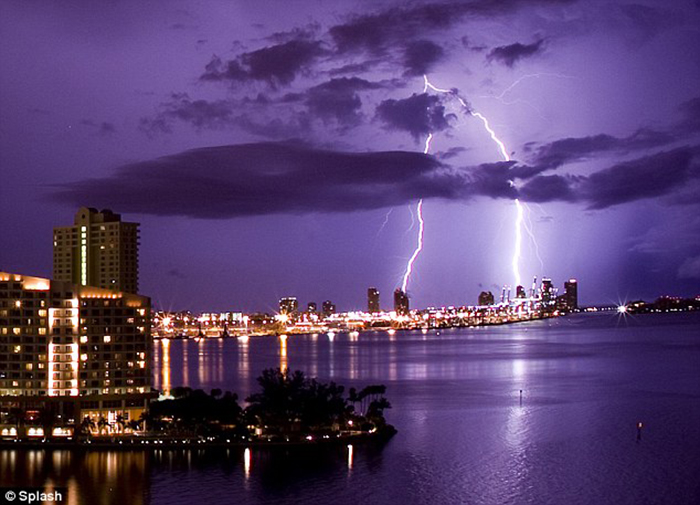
x=464 y=436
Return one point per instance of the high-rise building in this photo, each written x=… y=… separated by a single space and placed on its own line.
x=520 y=292
x=84 y=350
x=98 y=250
x=289 y=305
x=401 y=302
x=548 y=295
x=373 y=300
x=486 y=298
x=328 y=308
x=312 y=308
x=571 y=294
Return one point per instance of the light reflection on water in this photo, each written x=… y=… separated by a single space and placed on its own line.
x=464 y=436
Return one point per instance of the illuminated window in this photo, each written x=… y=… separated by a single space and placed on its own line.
x=107 y=339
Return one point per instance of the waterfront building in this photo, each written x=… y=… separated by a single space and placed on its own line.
x=520 y=292
x=98 y=250
x=328 y=308
x=548 y=295
x=401 y=302
x=571 y=294
x=486 y=298
x=80 y=350
x=312 y=308
x=289 y=305
x=373 y=300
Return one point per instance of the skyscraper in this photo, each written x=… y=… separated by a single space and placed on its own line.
x=571 y=294
x=373 y=300
x=289 y=305
x=98 y=250
x=328 y=308
x=549 y=296
x=401 y=302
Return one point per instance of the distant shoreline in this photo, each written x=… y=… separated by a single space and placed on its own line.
x=170 y=443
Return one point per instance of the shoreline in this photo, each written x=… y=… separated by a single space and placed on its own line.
x=199 y=443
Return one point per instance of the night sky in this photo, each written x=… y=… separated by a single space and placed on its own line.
x=276 y=148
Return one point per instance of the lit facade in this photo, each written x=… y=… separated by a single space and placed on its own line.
x=571 y=294
x=83 y=346
x=328 y=308
x=373 y=300
x=401 y=302
x=98 y=250
x=289 y=305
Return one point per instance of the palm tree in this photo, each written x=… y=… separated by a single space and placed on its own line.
x=87 y=425
x=121 y=422
x=102 y=424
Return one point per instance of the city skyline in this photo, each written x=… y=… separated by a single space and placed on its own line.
x=268 y=155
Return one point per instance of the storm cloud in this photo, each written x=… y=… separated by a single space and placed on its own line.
x=419 y=114
x=511 y=54
x=277 y=64
x=267 y=178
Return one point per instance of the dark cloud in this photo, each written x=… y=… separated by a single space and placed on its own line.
x=419 y=114
x=646 y=177
x=277 y=65
x=338 y=99
x=375 y=33
x=511 y=54
x=201 y=114
x=356 y=68
x=421 y=56
x=660 y=174
x=547 y=188
x=267 y=178
x=154 y=126
x=492 y=180
x=574 y=149
x=382 y=31
x=292 y=178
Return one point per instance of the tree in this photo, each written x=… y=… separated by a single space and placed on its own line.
x=102 y=424
x=87 y=425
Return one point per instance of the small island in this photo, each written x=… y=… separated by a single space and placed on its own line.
x=289 y=409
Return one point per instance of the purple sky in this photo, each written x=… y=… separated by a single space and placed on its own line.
x=272 y=148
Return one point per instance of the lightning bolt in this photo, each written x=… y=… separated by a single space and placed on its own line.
x=419 y=248
x=419 y=213
x=506 y=157
x=428 y=140
x=518 y=242
x=501 y=96
x=386 y=220
x=528 y=229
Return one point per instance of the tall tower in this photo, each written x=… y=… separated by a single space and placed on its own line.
x=401 y=302
x=98 y=250
x=373 y=300
x=571 y=294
